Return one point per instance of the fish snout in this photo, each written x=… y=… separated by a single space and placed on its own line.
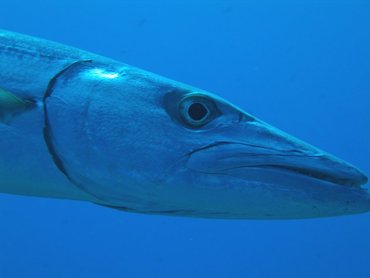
x=332 y=169
x=273 y=156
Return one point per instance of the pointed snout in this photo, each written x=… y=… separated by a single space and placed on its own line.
x=261 y=152
x=329 y=168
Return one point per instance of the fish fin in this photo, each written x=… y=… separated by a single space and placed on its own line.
x=12 y=106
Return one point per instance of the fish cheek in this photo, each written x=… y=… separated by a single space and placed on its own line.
x=87 y=139
x=110 y=137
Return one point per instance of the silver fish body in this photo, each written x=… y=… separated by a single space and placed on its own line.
x=102 y=131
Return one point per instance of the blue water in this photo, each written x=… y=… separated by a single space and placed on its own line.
x=303 y=67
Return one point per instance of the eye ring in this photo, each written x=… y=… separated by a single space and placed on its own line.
x=195 y=110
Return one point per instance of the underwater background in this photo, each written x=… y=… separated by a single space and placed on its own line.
x=303 y=66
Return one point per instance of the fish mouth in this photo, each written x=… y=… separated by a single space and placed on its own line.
x=352 y=180
x=267 y=164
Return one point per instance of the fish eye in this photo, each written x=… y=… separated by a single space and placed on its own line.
x=196 y=111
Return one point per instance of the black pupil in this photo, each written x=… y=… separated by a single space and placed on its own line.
x=197 y=111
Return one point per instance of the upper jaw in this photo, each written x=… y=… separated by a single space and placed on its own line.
x=348 y=177
x=225 y=157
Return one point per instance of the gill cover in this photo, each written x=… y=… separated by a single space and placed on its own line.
x=85 y=124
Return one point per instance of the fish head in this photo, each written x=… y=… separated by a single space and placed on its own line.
x=140 y=142
x=243 y=167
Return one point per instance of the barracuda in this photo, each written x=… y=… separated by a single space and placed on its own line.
x=76 y=125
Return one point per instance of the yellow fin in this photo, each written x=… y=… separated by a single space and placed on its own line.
x=11 y=106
